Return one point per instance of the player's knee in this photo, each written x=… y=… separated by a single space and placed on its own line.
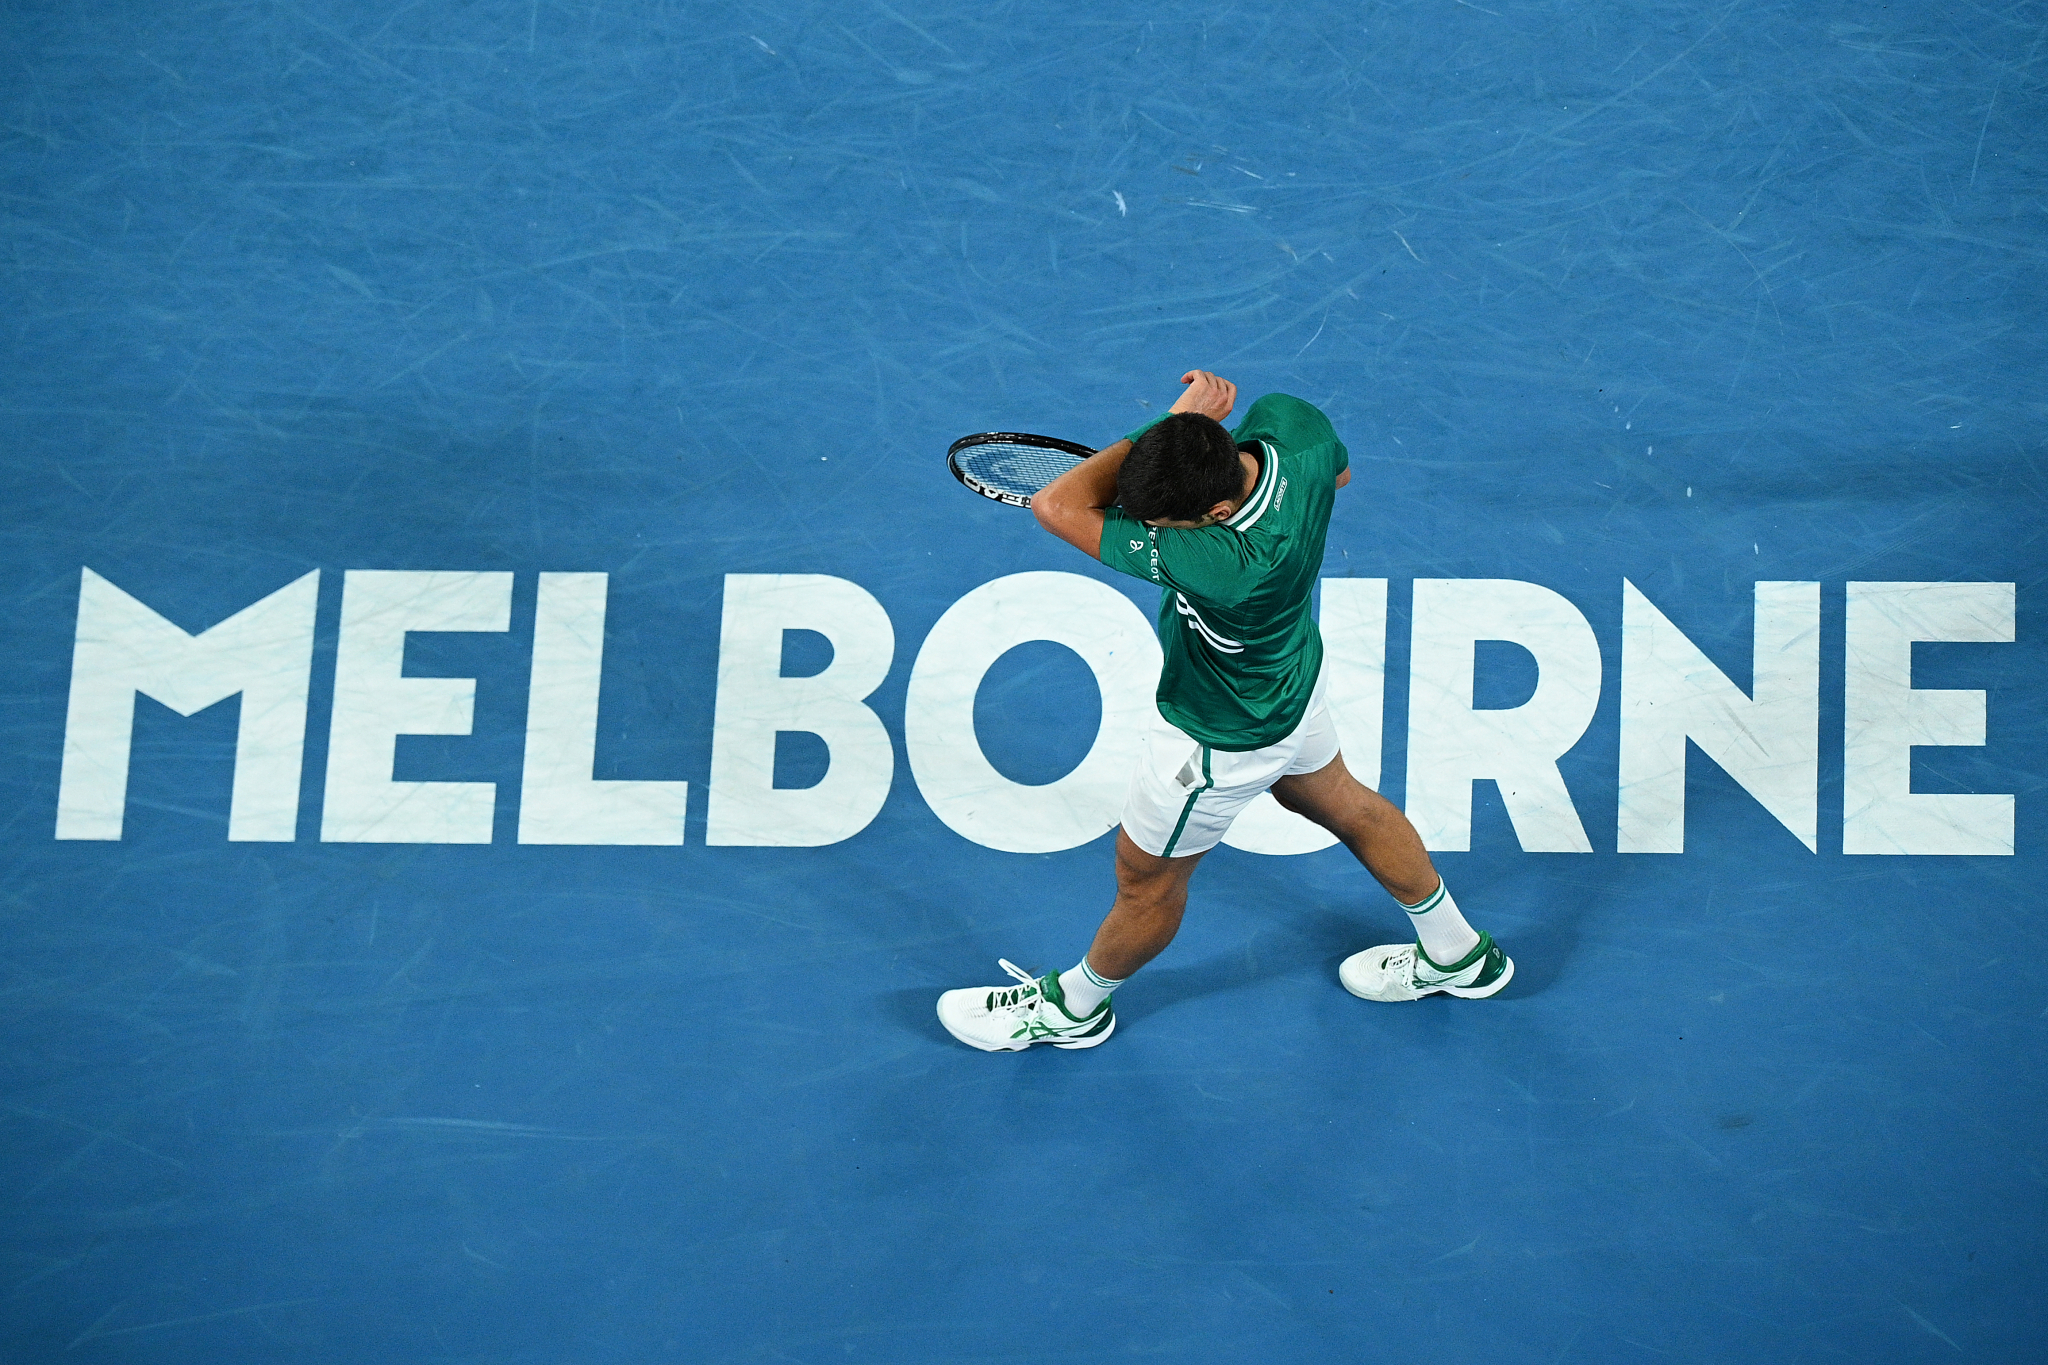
x=1288 y=801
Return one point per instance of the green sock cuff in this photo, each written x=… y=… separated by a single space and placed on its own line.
x=1427 y=903
x=1099 y=979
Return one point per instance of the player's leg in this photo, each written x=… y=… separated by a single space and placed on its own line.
x=1448 y=954
x=1183 y=796
x=1151 y=897
x=1071 y=1009
x=1372 y=827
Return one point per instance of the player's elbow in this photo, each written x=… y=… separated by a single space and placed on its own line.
x=1079 y=526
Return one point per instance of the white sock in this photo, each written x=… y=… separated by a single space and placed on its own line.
x=1439 y=928
x=1084 y=989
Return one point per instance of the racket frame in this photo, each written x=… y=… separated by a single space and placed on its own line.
x=1023 y=438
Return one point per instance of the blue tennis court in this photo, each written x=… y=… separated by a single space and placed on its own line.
x=511 y=726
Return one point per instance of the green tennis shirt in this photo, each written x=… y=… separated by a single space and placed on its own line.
x=1242 y=650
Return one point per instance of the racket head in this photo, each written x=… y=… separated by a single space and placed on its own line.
x=1010 y=466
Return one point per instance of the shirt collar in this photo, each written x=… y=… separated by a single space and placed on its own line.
x=1262 y=492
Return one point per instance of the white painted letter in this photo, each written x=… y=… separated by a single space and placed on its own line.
x=374 y=704
x=755 y=701
x=1450 y=742
x=958 y=782
x=1671 y=692
x=264 y=652
x=1354 y=626
x=559 y=802
x=1886 y=716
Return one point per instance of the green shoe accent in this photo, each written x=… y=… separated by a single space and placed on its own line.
x=1049 y=988
x=1479 y=950
x=1049 y=993
x=1496 y=963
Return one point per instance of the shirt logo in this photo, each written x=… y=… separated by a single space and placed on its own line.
x=1137 y=545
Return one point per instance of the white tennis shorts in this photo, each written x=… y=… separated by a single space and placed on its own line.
x=1184 y=794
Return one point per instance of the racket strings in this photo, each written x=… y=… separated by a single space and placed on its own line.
x=1012 y=467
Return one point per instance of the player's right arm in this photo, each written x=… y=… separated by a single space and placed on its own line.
x=1071 y=506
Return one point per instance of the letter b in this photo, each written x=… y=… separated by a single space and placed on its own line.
x=755 y=702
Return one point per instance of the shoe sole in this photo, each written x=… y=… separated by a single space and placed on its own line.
x=1092 y=1040
x=1492 y=987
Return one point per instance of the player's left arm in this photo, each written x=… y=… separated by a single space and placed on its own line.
x=1071 y=506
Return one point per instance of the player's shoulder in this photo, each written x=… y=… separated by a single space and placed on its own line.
x=1289 y=422
x=1129 y=546
x=1213 y=563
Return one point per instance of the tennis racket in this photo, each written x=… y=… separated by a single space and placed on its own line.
x=1009 y=466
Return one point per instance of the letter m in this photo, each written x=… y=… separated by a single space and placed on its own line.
x=264 y=652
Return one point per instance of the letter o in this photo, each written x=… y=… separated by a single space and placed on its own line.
x=956 y=779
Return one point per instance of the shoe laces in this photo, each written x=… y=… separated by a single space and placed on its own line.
x=1021 y=998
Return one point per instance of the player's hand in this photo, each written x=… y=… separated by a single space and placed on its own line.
x=1208 y=394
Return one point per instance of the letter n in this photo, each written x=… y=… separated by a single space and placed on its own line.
x=1672 y=693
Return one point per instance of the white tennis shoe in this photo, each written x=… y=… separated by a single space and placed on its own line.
x=1012 y=1018
x=1402 y=971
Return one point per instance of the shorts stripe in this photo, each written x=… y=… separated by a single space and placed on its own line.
x=1189 y=808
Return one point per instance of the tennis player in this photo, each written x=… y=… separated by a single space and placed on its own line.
x=1230 y=524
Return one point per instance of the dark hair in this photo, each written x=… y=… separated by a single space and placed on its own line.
x=1180 y=469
